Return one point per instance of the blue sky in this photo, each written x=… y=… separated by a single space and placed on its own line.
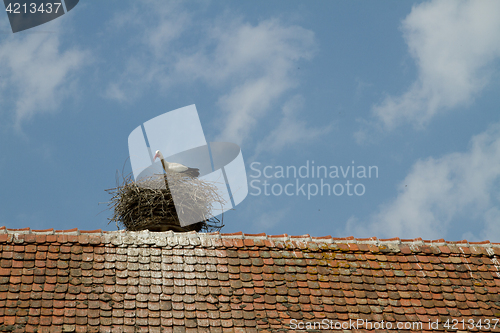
x=408 y=87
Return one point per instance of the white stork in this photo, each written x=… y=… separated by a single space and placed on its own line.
x=176 y=167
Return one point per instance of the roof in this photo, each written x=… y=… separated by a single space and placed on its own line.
x=93 y=281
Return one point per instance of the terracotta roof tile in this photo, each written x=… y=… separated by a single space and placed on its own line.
x=91 y=281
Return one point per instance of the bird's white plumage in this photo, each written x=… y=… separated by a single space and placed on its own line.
x=175 y=167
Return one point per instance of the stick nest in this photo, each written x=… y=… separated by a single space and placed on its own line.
x=148 y=203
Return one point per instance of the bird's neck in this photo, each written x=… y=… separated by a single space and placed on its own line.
x=165 y=164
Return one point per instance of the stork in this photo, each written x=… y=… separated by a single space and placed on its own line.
x=176 y=167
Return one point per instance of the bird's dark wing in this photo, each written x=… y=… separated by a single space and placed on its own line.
x=193 y=172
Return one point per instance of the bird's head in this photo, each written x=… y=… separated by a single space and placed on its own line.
x=159 y=155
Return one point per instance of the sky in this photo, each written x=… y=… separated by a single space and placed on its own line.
x=406 y=90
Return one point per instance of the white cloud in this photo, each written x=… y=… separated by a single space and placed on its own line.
x=153 y=27
x=454 y=44
x=271 y=219
x=235 y=49
x=246 y=104
x=39 y=74
x=290 y=130
x=258 y=62
x=438 y=192
x=115 y=92
x=249 y=66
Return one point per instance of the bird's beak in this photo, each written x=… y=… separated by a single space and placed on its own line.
x=155 y=157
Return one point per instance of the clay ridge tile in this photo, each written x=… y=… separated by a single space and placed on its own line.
x=416 y=245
